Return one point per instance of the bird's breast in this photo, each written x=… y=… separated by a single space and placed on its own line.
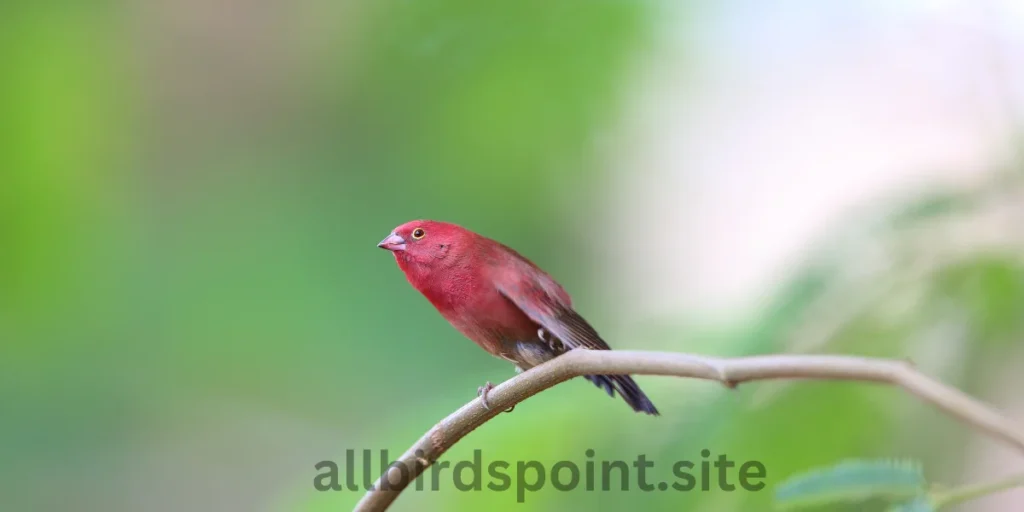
x=482 y=314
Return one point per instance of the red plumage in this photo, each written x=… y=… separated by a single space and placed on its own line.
x=499 y=299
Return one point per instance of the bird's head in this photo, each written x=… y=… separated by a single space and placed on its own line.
x=425 y=242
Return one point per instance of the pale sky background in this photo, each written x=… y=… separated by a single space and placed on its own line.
x=778 y=121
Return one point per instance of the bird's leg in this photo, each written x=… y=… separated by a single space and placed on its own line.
x=482 y=393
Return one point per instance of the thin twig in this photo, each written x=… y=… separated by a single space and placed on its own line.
x=727 y=371
x=969 y=492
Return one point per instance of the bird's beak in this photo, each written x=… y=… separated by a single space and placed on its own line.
x=392 y=243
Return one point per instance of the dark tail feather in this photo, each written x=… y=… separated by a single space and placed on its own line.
x=627 y=389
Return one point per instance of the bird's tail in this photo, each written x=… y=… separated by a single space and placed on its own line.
x=627 y=389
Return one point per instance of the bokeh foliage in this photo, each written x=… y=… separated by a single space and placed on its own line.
x=191 y=293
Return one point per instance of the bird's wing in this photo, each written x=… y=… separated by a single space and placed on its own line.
x=545 y=302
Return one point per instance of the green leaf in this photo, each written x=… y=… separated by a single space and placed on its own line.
x=932 y=205
x=851 y=481
x=921 y=504
x=991 y=290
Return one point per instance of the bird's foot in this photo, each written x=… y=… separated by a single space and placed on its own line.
x=482 y=393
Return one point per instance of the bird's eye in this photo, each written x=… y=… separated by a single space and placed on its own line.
x=418 y=233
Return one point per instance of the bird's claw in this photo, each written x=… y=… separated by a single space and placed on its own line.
x=482 y=393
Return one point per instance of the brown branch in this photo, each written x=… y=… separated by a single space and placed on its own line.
x=727 y=371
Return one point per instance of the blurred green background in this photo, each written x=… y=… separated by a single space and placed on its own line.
x=193 y=313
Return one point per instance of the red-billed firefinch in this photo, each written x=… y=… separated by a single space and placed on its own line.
x=499 y=299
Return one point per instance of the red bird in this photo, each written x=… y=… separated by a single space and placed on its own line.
x=500 y=300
